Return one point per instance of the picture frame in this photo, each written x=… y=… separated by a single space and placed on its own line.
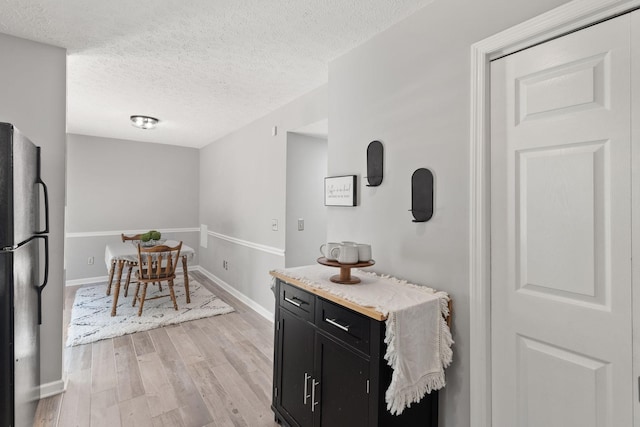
x=340 y=190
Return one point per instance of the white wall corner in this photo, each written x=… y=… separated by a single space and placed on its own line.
x=242 y=297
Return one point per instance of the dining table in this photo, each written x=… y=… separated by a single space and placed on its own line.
x=117 y=255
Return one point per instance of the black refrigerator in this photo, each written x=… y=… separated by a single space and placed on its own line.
x=23 y=242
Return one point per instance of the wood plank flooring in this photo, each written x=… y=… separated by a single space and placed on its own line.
x=208 y=372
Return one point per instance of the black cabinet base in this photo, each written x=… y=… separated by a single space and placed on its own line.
x=277 y=417
x=423 y=413
x=318 y=343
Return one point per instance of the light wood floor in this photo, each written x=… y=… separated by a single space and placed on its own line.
x=208 y=372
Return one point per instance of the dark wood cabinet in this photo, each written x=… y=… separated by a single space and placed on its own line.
x=344 y=385
x=329 y=367
x=296 y=363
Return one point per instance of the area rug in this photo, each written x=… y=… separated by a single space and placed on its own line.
x=91 y=313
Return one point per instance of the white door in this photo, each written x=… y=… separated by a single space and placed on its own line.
x=561 y=232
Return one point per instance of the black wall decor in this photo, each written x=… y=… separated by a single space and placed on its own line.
x=375 y=154
x=422 y=195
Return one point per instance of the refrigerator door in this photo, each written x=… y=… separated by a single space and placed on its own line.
x=19 y=191
x=6 y=339
x=20 y=355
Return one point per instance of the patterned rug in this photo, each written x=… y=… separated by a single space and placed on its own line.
x=91 y=313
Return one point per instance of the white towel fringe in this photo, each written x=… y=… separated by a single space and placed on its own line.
x=398 y=400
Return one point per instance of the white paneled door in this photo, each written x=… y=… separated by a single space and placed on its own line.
x=561 y=210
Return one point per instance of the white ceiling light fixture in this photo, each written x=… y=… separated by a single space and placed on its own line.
x=144 y=122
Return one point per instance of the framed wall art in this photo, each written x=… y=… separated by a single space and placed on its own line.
x=340 y=191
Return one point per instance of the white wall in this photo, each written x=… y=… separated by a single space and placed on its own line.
x=116 y=186
x=306 y=169
x=242 y=188
x=409 y=88
x=33 y=98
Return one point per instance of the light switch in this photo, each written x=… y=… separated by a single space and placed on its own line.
x=300 y=224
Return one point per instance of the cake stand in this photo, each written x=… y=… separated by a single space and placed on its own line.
x=345 y=277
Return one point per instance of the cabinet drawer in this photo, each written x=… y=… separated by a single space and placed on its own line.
x=345 y=324
x=297 y=301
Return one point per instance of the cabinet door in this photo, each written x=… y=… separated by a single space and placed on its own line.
x=342 y=396
x=296 y=366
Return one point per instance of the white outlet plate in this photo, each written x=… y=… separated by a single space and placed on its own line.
x=274 y=224
x=90 y=260
x=300 y=224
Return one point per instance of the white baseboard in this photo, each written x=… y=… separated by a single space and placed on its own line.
x=242 y=297
x=86 y=281
x=104 y=279
x=52 y=388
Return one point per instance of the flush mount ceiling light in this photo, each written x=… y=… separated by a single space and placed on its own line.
x=144 y=122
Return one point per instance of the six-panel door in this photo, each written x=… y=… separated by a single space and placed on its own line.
x=561 y=232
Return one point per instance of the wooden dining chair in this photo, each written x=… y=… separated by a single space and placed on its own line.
x=131 y=265
x=156 y=264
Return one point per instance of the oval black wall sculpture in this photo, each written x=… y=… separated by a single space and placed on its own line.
x=422 y=195
x=375 y=154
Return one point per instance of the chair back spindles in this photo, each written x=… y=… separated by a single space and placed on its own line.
x=160 y=261
x=159 y=270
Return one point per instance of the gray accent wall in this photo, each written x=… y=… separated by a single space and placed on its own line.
x=116 y=186
x=33 y=98
x=242 y=189
x=409 y=87
x=306 y=169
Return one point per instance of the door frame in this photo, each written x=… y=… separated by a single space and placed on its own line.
x=570 y=17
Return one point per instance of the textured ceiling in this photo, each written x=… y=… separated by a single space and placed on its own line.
x=203 y=67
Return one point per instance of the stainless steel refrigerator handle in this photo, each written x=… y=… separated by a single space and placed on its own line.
x=46 y=260
x=46 y=198
x=45 y=280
